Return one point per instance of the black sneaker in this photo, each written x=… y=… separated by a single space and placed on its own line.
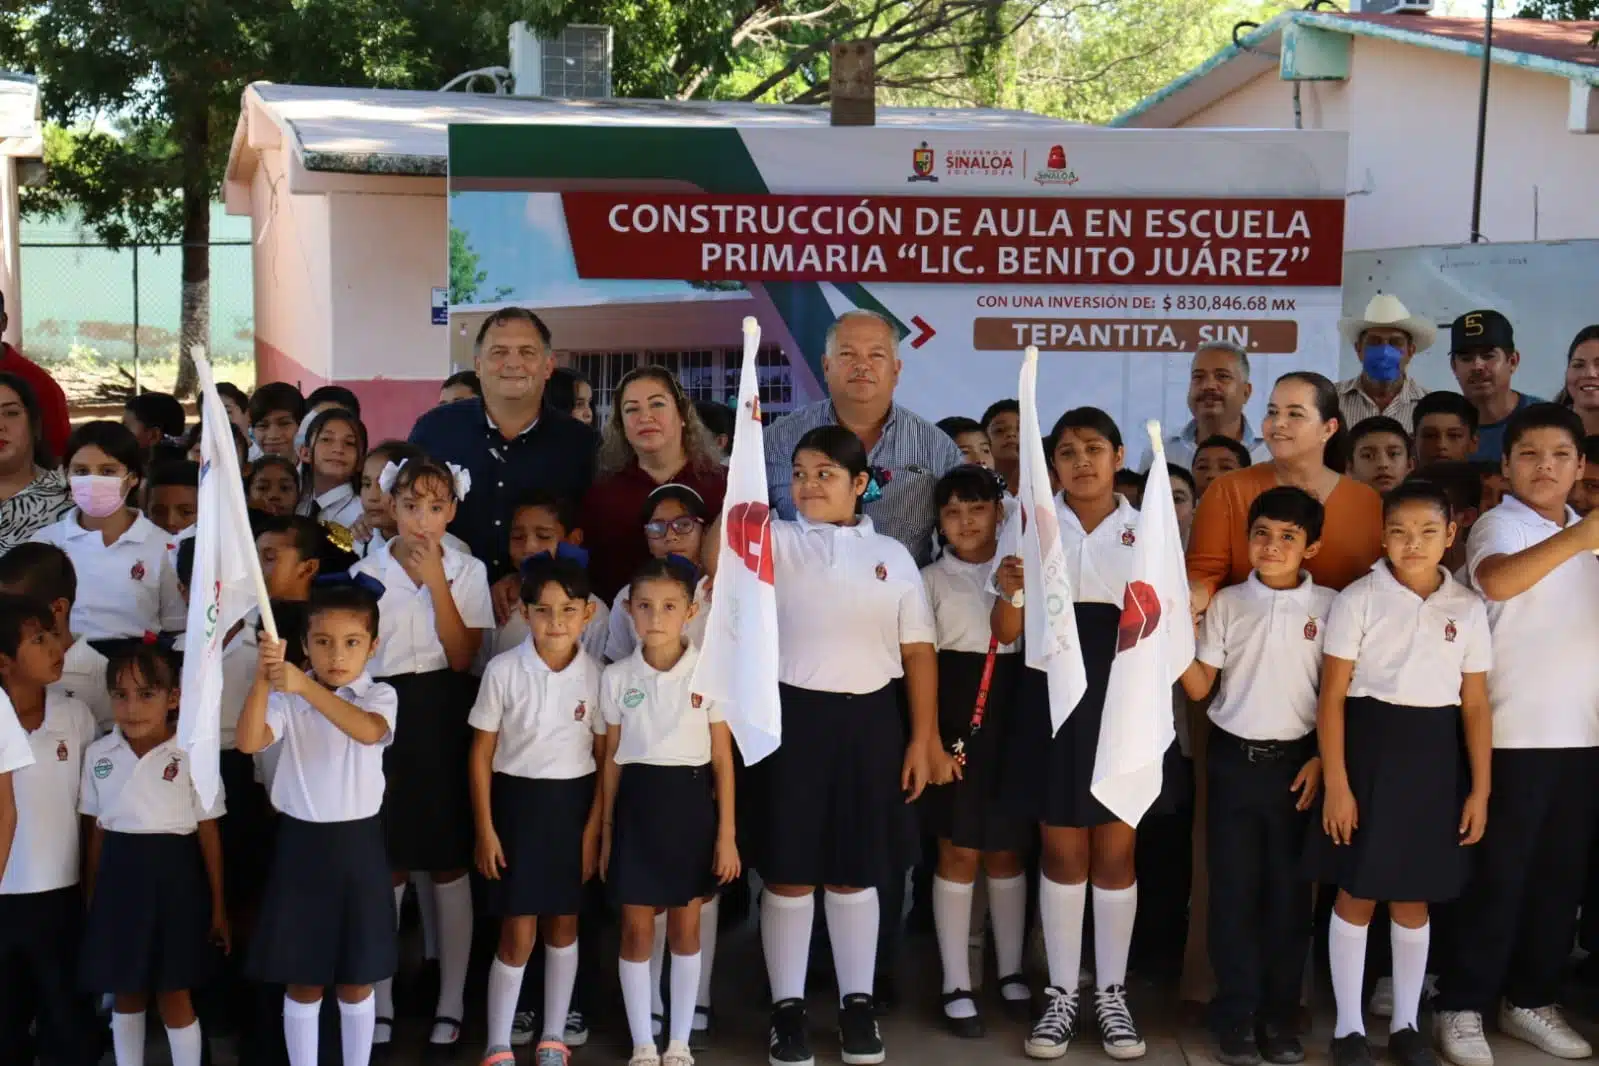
x=787 y=1045
x=1235 y=1045
x=1116 y=1029
x=1351 y=1050
x=1409 y=1048
x=860 y=1042
x=1053 y=1031
x=1278 y=1046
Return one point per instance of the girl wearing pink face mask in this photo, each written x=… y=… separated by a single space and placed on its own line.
x=127 y=587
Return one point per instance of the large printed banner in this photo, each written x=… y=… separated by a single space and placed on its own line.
x=1115 y=252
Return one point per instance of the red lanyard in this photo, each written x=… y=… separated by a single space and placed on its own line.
x=958 y=749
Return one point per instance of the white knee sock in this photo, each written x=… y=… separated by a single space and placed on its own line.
x=852 y=920
x=186 y=1044
x=786 y=942
x=454 y=901
x=127 y=1038
x=685 y=990
x=1346 y=953
x=1060 y=911
x=636 y=999
x=505 y=985
x=427 y=906
x=657 y=964
x=1114 y=912
x=710 y=913
x=1410 y=972
x=383 y=991
x=300 y=1022
x=355 y=1030
x=1007 y=912
x=560 y=974
x=952 y=922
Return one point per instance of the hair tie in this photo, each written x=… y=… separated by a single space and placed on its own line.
x=463 y=480
x=390 y=474
x=564 y=552
x=875 y=480
x=365 y=582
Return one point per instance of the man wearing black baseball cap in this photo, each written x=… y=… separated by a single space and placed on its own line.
x=1482 y=353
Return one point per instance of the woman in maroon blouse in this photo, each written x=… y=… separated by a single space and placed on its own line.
x=652 y=437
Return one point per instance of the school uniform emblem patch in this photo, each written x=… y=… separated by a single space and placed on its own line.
x=632 y=698
x=581 y=712
x=695 y=700
x=171 y=772
x=102 y=769
x=1450 y=632
x=137 y=573
x=61 y=752
x=1129 y=538
x=1310 y=629
x=882 y=572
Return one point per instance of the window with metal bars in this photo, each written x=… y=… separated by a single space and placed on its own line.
x=708 y=374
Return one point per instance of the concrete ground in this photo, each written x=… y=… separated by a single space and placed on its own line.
x=912 y=1033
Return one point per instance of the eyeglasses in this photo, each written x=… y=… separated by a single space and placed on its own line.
x=682 y=525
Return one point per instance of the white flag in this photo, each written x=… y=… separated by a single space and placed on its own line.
x=1050 y=621
x=1154 y=645
x=225 y=584
x=738 y=657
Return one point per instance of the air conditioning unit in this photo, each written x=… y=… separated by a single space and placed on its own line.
x=1390 y=7
x=573 y=64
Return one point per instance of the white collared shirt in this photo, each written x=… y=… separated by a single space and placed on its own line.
x=1544 y=685
x=1098 y=564
x=546 y=720
x=1181 y=447
x=664 y=722
x=322 y=773
x=44 y=853
x=15 y=752
x=958 y=594
x=408 y=635
x=1267 y=643
x=125 y=589
x=373 y=544
x=341 y=505
x=83 y=679
x=847 y=598
x=622 y=635
x=153 y=793
x=1406 y=650
x=240 y=660
x=515 y=631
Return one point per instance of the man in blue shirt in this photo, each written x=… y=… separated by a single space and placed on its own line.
x=1482 y=353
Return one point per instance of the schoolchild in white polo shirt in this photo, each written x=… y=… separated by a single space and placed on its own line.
x=127 y=587
x=976 y=693
x=45 y=573
x=434 y=612
x=852 y=621
x=153 y=872
x=41 y=909
x=1264 y=637
x=668 y=834
x=538 y=736
x=327 y=917
x=1407 y=655
x=674 y=524
x=330 y=468
x=1532 y=558
x=544 y=524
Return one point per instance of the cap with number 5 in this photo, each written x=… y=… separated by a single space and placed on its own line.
x=1480 y=330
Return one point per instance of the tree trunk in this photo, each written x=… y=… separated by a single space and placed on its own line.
x=194 y=322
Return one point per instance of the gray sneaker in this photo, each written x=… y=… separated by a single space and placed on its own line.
x=524 y=1027
x=551 y=1053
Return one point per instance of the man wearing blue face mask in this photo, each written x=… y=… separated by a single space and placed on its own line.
x=1386 y=338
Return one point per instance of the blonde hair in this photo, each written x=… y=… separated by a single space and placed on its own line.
x=699 y=447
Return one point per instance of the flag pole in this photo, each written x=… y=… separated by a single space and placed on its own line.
x=1156 y=442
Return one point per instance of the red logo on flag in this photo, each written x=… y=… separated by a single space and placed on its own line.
x=61 y=752
x=749 y=535
x=137 y=572
x=1450 y=632
x=171 y=772
x=1310 y=629
x=1140 y=614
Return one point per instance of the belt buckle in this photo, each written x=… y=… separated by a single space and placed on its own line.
x=1259 y=753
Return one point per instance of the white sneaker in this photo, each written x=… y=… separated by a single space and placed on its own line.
x=1545 y=1028
x=1461 y=1039
x=677 y=1054
x=645 y=1055
x=1382 y=998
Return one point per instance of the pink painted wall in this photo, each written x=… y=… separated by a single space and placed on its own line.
x=1412 y=118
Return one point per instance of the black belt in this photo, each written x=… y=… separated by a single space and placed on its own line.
x=1262 y=751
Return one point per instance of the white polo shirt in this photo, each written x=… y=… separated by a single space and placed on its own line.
x=240 y=661
x=515 y=631
x=622 y=635
x=408 y=634
x=546 y=720
x=152 y=793
x=1267 y=643
x=958 y=594
x=125 y=589
x=1098 y=563
x=664 y=722
x=83 y=679
x=341 y=505
x=15 y=751
x=1544 y=685
x=847 y=598
x=44 y=853
x=322 y=773
x=1406 y=650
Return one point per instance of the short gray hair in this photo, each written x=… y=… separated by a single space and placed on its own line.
x=1240 y=356
x=830 y=345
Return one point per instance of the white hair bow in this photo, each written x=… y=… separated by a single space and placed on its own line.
x=391 y=473
x=463 y=480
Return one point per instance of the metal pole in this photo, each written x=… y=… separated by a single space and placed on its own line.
x=1482 y=123
x=137 y=387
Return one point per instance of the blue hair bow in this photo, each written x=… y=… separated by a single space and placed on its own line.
x=685 y=565
x=564 y=552
x=876 y=478
x=365 y=582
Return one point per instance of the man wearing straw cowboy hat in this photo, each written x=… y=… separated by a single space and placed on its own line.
x=1386 y=338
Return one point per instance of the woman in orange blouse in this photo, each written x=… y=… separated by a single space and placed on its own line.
x=1302 y=420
